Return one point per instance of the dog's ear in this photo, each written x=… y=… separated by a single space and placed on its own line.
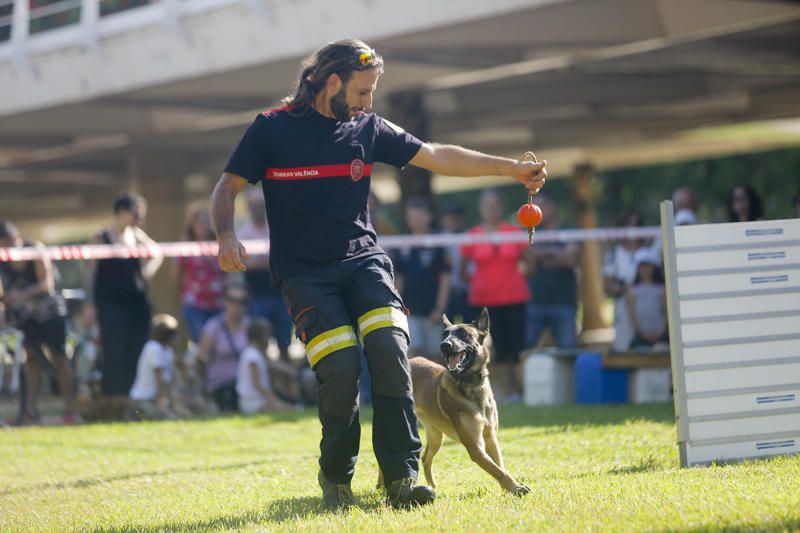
x=482 y=322
x=446 y=321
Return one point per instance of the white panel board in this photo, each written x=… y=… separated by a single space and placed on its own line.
x=745 y=427
x=721 y=379
x=734 y=353
x=736 y=233
x=716 y=283
x=739 y=403
x=746 y=258
x=741 y=450
x=733 y=301
x=757 y=327
x=740 y=305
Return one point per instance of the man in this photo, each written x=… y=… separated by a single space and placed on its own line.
x=684 y=198
x=553 y=284
x=423 y=281
x=452 y=221
x=313 y=159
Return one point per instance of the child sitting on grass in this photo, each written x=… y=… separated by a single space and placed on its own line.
x=252 y=380
x=151 y=396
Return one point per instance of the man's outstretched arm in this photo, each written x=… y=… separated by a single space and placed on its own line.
x=231 y=251
x=449 y=160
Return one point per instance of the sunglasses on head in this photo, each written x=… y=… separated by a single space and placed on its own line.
x=365 y=58
x=242 y=301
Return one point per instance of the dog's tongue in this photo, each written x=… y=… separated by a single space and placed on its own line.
x=453 y=360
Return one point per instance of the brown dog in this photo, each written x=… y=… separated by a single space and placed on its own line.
x=457 y=401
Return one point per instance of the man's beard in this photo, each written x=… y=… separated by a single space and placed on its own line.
x=339 y=106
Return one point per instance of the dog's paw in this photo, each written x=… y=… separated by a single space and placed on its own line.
x=521 y=490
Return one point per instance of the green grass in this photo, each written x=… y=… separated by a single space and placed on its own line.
x=590 y=469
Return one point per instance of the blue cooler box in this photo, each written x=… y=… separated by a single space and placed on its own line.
x=597 y=385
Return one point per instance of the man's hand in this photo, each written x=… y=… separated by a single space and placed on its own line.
x=532 y=175
x=231 y=254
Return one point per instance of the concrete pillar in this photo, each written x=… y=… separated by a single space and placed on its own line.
x=591 y=264
x=157 y=178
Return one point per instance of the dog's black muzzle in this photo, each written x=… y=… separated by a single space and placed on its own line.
x=457 y=355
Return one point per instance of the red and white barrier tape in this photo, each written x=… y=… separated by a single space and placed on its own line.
x=85 y=252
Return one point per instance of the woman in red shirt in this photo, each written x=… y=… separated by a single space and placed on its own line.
x=496 y=277
x=200 y=279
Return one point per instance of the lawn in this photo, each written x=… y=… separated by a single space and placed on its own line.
x=590 y=468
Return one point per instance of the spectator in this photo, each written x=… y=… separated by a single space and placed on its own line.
x=619 y=272
x=252 y=379
x=498 y=284
x=553 y=284
x=684 y=205
x=452 y=221
x=189 y=386
x=151 y=394
x=683 y=198
x=119 y=289
x=27 y=290
x=647 y=303
x=265 y=298
x=744 y=205
x=199 y=279
x=223 y=340
x=423 y=281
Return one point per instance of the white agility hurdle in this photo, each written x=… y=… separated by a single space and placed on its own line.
x=733 y=298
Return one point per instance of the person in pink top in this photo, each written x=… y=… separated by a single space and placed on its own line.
x=496 y=277
x=200 y=279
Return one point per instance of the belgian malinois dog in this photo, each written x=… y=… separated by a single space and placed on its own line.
x=456 y=400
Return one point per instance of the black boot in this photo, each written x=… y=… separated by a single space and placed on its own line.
x=404 y=493
x=334 y=495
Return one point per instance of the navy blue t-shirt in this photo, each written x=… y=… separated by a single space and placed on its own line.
x=315 y=172
x=421 y=268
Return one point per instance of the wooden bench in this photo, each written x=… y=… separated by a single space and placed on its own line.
x=634 y=359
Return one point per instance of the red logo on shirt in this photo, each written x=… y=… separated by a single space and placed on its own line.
x=357 y=169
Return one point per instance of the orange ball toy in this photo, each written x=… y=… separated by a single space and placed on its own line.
x=529 y=215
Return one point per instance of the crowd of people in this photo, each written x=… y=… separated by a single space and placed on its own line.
x=111 y=359
x=108 y=357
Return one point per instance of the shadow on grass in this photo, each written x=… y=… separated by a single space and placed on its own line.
x=276 y=512
x=589 y=415
x=90 y=482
